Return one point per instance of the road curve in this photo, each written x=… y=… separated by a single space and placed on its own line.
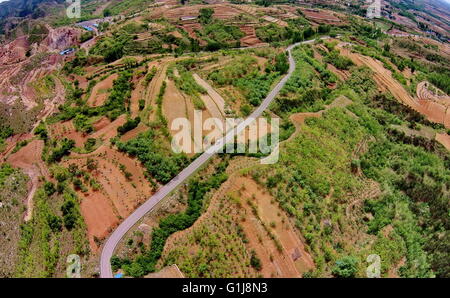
x=130 y=221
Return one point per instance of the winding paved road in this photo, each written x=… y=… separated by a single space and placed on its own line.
x=130 y=221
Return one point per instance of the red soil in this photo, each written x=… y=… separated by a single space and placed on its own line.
x=444 y=139
x=433 y=110
x=66 y=129
x=110 y=130
x=190 y=28
x=320 y=16
x=136 y=95
x=117 y=197
x=250 y=39
x=14 y=51
x=102 y=123
x=292 y=260
x=98 y=215
x=99 y=92
x=29 y=160
x=134 y=132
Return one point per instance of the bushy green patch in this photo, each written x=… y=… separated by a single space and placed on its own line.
x=5 y=132
x=129 y=125
x=86 y=36
x=62 y=150
x=186 y=83
x=271 y=33
x=339 y=61
x=81 y=123
x=420 y=183
x=115 y=105
x=245 y=75
x=239 y=68
x=112 y=48
x=5 y=171
x=41 y=246
x=345 y=267
x=160 y=162
x=441 y=80
x=305 y=90
x=219 y=35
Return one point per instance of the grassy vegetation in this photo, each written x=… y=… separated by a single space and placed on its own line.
x=244 y=74
x=215 y=247
x=321 y=162
x=441 y=80
x=5 y=132
x=305 y=90
x=115 y=105
x=13 y=184
x=55 y=231
x=198 y=188
x=126 y=6
x=219 y=35
x=186 y=83
x=161 y=163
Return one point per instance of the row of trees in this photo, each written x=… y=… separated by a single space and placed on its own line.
x=129 y=125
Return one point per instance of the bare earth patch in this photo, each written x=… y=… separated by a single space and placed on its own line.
x=29 y=160
x=118 y=195
x=100 y=91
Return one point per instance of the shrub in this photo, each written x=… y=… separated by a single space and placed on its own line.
x=89 y=144
x=345 y=267
x=255 y=262
x=49 y=188
x=129 y=125
x=141 y=104
x=64 y=149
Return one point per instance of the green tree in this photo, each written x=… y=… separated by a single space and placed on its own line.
x=49 y=188
x=205 y=16
x=345 y=267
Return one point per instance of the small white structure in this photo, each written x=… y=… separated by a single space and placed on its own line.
x=188 y=18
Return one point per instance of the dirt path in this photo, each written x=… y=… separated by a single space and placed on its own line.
x=29 y=160
x=218 y=110
x=433 y=110
x=154 y=86
x=298 y=119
